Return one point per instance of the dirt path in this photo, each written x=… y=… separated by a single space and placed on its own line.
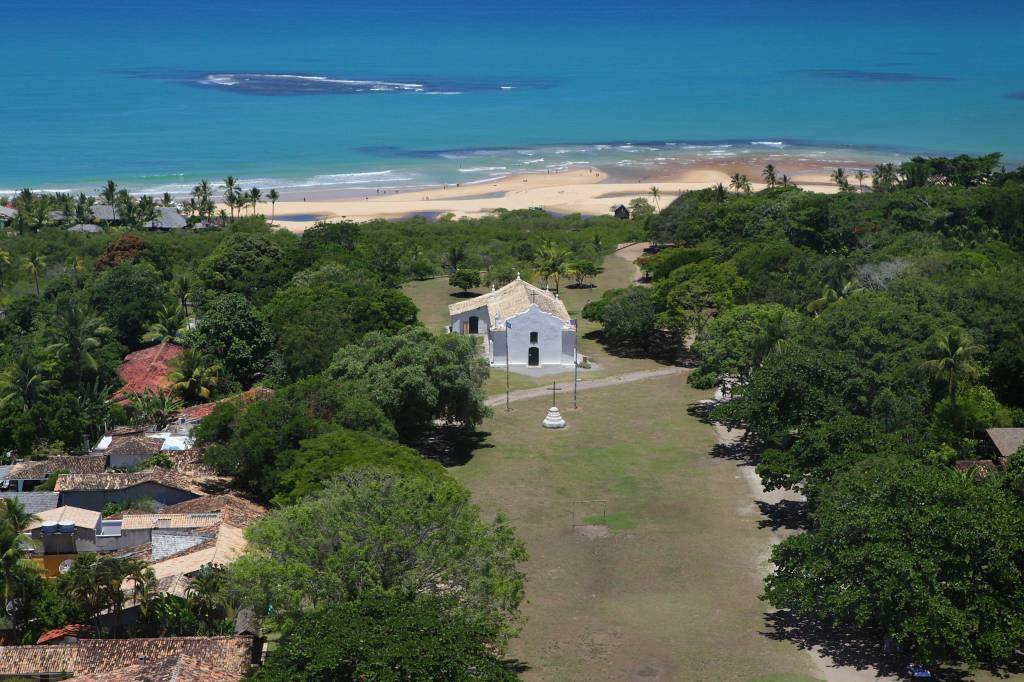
x=825 y=665
x=566 y=386
x=631 y=252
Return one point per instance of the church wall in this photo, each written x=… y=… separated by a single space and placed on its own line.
x=481 y=313
x=549 y=339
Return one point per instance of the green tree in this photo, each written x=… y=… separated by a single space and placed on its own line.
x=739 y=183
x=242 y=263
x=839 y=177
x=230 y=192
x=128 y=297
x=770 y=176
x=418 y=378
x=627 y=316
x=231 y=330
x=464 y=279
x=369 y=530
x=693 y=294
x=656 y=195
x=551 y=261
x=194 y=375
x=109 y=195
x=385 y=636
x=880 y=556
x=581 y=271
x=640 y=209
x=35 y=264
x=76 y=334
x=325 y=309
x=25 y=381
x=168 y=327
x=317 y=459
x=273 y=196
x=155 y=406
x=954 y=360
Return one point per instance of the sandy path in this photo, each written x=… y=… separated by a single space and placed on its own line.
x=566 y=386
x=825 y=665
x=631 y=252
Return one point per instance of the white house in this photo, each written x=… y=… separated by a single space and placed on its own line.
x=527 y=323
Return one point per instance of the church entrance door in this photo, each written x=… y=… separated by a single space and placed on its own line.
x=534 y=357
x=474 y=325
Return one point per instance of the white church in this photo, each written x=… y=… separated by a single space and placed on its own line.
x=525 y=323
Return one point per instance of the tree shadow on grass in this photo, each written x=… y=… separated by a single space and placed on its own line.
x=863 y=650
x=464 y=294
x=452 y=446
x=663 y=347
x=788 y=514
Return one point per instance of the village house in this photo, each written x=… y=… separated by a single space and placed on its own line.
x=34 y=502
x=23 y=476
x=621 y=212
x=146 y=369
x=156 y=659
x=94 y=491
x=167 y=218
x=521 y=325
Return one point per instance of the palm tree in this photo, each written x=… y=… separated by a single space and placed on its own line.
x=551 y=260
x=830 y=295
x=35 y=263
x=785 y=182
x=883 y=177
x=13 y=512
x=167 y=200
x=273 y=196
x=127 y=208
x=230 y=186
x=740 y=183
x=15 y=566
x=77 y=332
x=83 y=208
x=203 y=196
x=254 y=198
x=839 y=177
x=194 y=375
x=147 y=209
x=155 y=407
x=169 y=326
x=23 y=380
x=181 y=287
x=656 y=195
x=109 y=194
x=5 y=262
x=860 y=175
x=953 y=356
x=769 y=175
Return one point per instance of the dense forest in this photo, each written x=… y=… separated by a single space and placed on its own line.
x=864 y=341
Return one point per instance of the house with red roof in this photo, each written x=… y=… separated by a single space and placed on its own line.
x=146 y=369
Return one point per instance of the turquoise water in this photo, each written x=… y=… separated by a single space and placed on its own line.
x=157 y=94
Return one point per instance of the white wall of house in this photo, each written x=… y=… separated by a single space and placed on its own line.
x=479 y=313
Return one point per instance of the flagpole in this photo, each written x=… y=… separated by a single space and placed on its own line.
x=508 y=399
x=575 y=359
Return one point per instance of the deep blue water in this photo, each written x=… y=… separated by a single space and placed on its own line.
x=157 y=93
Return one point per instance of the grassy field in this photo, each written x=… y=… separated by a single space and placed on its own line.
x=667 y=590
x=433 y=296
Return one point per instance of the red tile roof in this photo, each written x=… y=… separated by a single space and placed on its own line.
x=233 y=509
x=118 y=481
x=217 y=658
x=74 y=630
x=146 y=369
x=197 y=413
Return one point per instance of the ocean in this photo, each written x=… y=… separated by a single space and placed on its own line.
x=366 y=96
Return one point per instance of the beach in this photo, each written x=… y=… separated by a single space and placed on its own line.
x=587 y=190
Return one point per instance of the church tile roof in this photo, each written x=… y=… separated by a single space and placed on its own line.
x=512 y=299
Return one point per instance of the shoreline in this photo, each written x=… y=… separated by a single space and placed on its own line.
x=590 y=190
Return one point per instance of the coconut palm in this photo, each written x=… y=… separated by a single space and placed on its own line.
x=739 y=183
x=194 y=375
x=883 y=177
x=551 y=261
x=13 y=512
x=952 y=359
x=273 y=196
x=785 y=181
x=254 y=198
x=22 y=380
x=454 y=257
x=109 y=195
x=167 y=200
x=155 y=407
x=839 y=177
x=203 y=195
x=860 y=175
x=5 y=263
x=147 y=209
x=83 y=208
x=39 y=214
x=127 y=208
x=656 y=195
x=15 y=566
x=169 y=326
x=230 y=188
x=830 y=294
x=77 y=332
x=35 y=263
x=769 y=176
x=181 y=288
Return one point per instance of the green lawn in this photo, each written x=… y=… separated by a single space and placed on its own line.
x=433 y=296
x=670 y=591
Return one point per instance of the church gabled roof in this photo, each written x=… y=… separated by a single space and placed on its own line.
x=512 y=299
